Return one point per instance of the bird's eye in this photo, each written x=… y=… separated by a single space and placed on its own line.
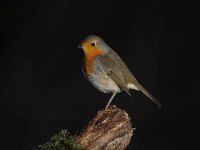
x=93 y=44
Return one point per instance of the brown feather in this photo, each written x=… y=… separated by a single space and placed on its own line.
x=110 y=67
x=115 y=67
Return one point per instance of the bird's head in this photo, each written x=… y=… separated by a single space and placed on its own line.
x=94 y=45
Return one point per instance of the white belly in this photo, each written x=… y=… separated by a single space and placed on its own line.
x=104 y=83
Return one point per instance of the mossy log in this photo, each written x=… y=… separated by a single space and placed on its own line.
x=110 y=129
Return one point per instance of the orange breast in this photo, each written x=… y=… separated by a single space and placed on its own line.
x=90 y=55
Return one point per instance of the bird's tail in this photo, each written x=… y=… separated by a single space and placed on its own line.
x=145 y=92
x=139 y=87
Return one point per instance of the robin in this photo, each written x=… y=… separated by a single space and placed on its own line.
x=104 y=68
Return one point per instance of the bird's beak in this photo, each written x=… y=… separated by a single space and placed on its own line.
x=80 y=46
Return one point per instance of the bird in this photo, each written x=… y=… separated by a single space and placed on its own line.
x=106 y=70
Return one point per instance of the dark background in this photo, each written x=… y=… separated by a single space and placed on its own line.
x=42 y=86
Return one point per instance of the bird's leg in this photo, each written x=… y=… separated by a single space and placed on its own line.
x=111 y=98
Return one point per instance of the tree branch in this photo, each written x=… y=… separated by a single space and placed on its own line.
x=110 y=129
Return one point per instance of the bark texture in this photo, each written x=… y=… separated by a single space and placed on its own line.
x=110 y=129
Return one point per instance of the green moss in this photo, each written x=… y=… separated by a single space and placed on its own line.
x=61 y=141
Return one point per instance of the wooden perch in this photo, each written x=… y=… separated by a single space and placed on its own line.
x=109 y=130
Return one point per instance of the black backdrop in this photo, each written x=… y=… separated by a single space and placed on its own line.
x=42 y=86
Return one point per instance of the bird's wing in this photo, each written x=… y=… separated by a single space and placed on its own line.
x=110 y=66
x=115 y=67
x=117 y=64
